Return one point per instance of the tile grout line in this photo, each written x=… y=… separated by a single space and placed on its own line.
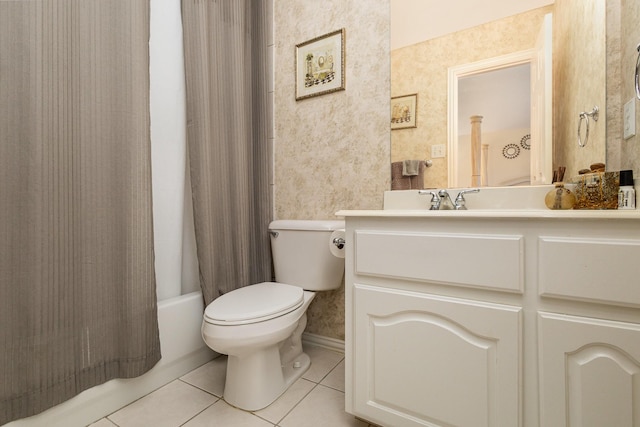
x=195 y=415
x=298 y=403
x=200 y=388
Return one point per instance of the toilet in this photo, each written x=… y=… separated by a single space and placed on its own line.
x=260 y=326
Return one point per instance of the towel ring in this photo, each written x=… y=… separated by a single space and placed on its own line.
x=584 y=117
x=637 y=79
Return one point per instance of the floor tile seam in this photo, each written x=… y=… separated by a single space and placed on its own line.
x=261 y=418
x=132 y=402
x=296 y=405
x=331 y=388
x=198 y=413
x=327 y=374
x=107 y=418
x=199 y=388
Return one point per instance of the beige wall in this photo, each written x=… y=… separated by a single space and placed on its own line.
x=422 y=68
x=332 y=151
x=579 y=82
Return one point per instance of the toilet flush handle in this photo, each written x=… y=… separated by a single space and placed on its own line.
x=339 y=242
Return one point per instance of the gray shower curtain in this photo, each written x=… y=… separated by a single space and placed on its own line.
x=227 y=122
x=77 y=284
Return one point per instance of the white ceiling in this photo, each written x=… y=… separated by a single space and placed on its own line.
x=413 y=21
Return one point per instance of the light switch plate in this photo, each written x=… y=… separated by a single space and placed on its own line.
x=437 y=151
x=630 y=119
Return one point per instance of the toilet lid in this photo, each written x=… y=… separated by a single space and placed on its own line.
x=254 y=303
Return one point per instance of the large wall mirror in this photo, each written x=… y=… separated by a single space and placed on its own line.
x=463 y=59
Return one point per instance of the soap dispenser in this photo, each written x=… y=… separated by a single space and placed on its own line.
x=560 y=197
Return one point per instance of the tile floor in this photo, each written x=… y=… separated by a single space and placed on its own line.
x=194 y=400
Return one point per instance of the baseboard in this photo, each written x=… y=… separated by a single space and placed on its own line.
x=322 y=341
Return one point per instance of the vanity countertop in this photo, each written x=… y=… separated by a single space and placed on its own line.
x=490 y=202
x=496 y=213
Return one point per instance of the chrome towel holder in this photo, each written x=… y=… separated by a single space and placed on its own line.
x=584 y=117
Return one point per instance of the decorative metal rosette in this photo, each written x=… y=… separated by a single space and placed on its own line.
x=511 y=151
x=525 y=142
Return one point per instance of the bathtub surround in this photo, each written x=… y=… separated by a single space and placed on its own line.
x=227 y=121
x=77 y=283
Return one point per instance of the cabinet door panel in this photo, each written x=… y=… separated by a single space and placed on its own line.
x=589 y=371
x=435 y=361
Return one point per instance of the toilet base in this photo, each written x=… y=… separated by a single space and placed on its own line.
x=257 y=380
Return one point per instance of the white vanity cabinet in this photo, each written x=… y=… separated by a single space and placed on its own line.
x=590 y=363
x=474 y=319
x=589 y=371
x=422 y=358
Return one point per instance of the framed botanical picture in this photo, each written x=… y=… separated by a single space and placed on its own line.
x=404 y=111
x=320 y=65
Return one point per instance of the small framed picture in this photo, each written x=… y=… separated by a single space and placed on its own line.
x=320 y=65
x=404 y=110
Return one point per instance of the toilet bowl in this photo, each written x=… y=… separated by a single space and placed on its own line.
x=260 y=326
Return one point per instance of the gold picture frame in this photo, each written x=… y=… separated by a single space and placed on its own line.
x=320 y=65
x=404 y=111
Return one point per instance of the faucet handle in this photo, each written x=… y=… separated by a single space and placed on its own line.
x=435 y=199
x=460 y=202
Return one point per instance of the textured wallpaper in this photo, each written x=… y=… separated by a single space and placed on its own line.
x=332 y=151
x=579 y=82
x=614 y=90
x=423 y=69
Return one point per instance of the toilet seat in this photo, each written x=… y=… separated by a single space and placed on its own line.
x=254 y=303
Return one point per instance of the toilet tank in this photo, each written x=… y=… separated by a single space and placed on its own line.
x=301 y=254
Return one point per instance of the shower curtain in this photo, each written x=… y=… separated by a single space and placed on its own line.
x=77 y=281
x=227 y=121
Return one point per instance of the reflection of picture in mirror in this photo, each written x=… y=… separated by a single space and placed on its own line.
x=404 y=111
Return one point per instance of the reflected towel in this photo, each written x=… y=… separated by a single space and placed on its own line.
x=411 y=167
x=401 y=182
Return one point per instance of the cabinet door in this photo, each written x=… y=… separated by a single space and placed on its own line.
x=427 y=360
x=589 y=372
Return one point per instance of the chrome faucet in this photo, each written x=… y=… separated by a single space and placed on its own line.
x=435 y=199
x=460 y=203
x=441 y=200
x=445 y=201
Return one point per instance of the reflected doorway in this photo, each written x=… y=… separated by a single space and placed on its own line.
x=499 y=90
x=502 y=97
x=539 y=141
